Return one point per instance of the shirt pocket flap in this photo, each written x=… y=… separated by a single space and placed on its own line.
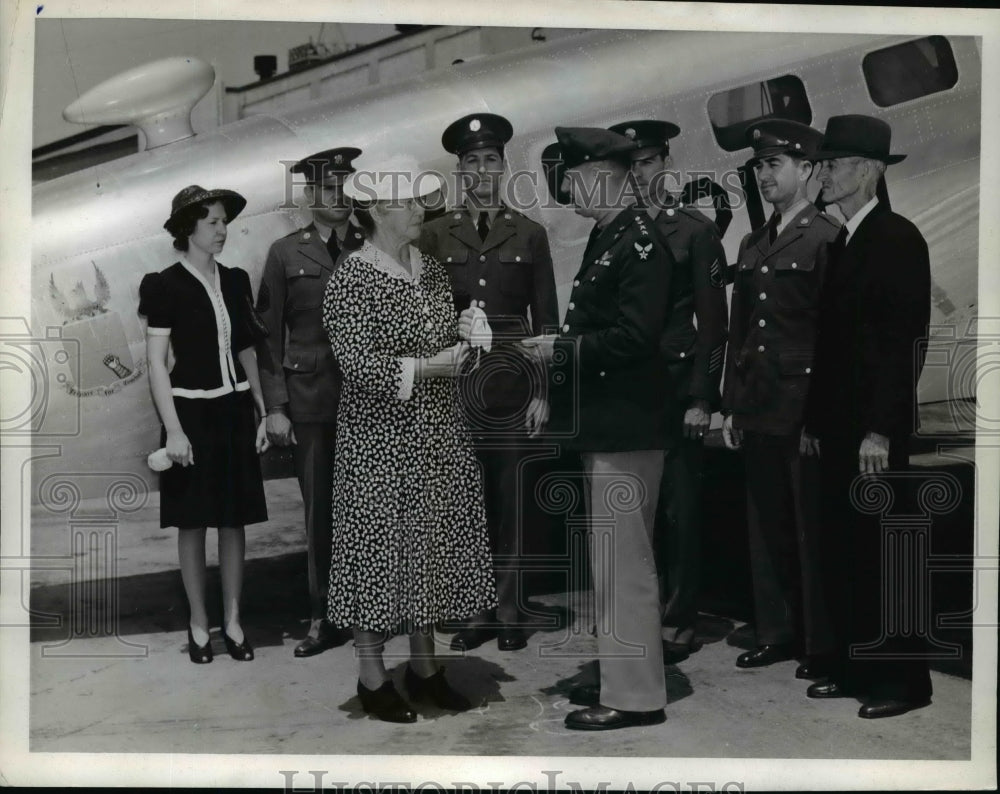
x=458 y=255
x=514 y=255
x=302 y=269
x=795 y=362
x=786 y=264
x=300 y=360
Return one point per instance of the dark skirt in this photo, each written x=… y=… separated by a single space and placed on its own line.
x=224 y=487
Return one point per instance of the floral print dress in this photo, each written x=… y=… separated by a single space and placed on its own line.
x=410 y=542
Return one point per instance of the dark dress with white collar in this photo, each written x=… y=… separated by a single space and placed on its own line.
x=208 y=326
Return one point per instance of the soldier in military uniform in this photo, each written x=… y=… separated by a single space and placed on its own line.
x=693 y=345
x=298 y=373
x=609 y=382
x=772 y=330
x=499 y=261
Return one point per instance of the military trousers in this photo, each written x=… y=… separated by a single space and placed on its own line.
x=783 y=492
x=622 y=490
x=678 y=537
x=500 y=460
x=313 y=455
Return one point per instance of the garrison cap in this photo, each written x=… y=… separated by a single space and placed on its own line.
x=781 y=136
x=855 y=135
x=578 y=145
x=327 y=164
x=476 y=131
x=646 y=133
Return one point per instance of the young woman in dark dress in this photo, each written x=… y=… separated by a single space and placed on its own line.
x=205 y=384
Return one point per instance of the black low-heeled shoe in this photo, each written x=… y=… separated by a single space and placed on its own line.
x=386 y=703
x=200 y=654
x=437 y=689
x=241 y=652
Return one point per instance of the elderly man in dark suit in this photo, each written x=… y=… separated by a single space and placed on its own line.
x=609 y=381
x=776 y=293
x=499 y=261
x=861 y=414
x=298 y=373
x=693 y=347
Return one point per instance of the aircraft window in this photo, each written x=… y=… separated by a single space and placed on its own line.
x=732 y=111
x=910 y=71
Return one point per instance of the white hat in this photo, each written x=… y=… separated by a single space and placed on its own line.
x=398 y=177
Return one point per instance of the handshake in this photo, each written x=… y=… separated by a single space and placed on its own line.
x=474 y=328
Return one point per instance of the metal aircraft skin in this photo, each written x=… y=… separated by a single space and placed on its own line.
x=97 y=232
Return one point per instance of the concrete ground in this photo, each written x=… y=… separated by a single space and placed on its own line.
x=112 y=674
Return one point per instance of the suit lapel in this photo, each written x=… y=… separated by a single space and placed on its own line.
x=314 y=248
x=606 y=238
x=503 y=229
x=850 y=258
x=792 y=231
x=464 y=230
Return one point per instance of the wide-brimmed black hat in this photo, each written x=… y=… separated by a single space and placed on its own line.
x=328 y=164
x=855 y=135
x=647 y=132
x=476 y=131
x=555 y=170
x=232 y=201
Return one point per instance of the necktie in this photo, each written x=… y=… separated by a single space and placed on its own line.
x=483 y=226
x=333 y=247
x=772 y=227
x=839 y=242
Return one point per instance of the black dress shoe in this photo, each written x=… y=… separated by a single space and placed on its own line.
x=675 y=652
x=241 y=652
x=327 y=637
x=813 y=669
x=386 y=703
x=199 y=654
x=826 y=689
x=511 y=638
x=877 y=709
x=585 y=695
x=764 y=655
x=602 y=718
x=437 y=689
x=471 y=637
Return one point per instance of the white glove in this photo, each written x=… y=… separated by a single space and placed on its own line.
x=158 y=461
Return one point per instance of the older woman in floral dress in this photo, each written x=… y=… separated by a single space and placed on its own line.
x=410 y=543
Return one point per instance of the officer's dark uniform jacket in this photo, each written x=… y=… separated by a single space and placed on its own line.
x=609 y=381
x=697 y=289
x=296 y=362
x=772 y=329
x=507 y=274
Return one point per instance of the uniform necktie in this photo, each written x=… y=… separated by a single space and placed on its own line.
x=483 y=226
x=333 y=247
x=772 y=230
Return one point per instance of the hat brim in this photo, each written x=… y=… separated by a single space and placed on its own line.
x=232 y=202
x=830 y=154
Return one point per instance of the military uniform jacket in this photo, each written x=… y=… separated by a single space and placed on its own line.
x=772 y=328
x=697 y=290
x=609 y=383
x=874 y=315
x=296 y=362
x=509 y=274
